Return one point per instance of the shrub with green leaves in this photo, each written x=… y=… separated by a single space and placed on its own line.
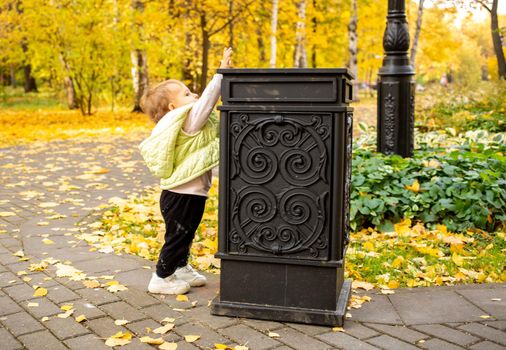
x=460 y=189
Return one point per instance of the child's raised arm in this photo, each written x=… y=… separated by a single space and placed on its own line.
x=201 y=110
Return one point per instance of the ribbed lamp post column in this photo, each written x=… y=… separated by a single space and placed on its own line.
x=396 y=87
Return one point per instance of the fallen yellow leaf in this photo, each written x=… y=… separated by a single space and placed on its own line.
x=81 y=318
x=120 y=322
x=191 y=338
x=338 y=329
x=241 y=347
x=119 y=339
x=164 y=329
x=168 y=319
x=66 y=314
x=361 y=284
x=67 y=307
x=40 y=292
x=152 y=341
x=33 y=304
x=273 y=335
x=6 y=213
x=182 y=297
x=44 y=319
x=91 y=284
x=415 y=186
x=47 y=241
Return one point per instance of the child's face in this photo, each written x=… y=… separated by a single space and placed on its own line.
x=181 y=96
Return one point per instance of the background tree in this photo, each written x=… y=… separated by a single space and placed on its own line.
x=300 y=54
x=353 y=47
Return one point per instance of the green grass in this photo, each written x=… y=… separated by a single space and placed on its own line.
x=16 y=100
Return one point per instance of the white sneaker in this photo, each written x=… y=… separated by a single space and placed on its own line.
x=188 y=274
x=169 y=285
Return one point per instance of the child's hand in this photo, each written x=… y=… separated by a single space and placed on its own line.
x=226 y=61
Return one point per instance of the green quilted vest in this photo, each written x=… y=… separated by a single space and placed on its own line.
x=176 y=157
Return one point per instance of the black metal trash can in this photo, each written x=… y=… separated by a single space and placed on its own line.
x=286 y=138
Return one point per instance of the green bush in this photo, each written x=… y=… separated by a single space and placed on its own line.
x=461 y=189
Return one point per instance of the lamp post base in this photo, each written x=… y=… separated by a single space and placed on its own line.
x=286 y=314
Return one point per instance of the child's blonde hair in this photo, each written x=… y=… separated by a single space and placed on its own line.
x=155 y=102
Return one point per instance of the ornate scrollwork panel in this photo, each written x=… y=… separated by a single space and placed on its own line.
x=279 y=175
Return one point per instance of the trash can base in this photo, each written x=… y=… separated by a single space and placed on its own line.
x=286 y=314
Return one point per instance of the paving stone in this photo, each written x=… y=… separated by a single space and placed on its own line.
x=202 y=314
x=488 y=333
x=37 y=279
x=7 y=277
x=387 y=342
x=344 y=341
x=207 y=337
x=438 y=344
x=8 y=306
x=97 y=296
x=447 y=333
x=138 y=278
x=139 y=327
x=182 y=345
x=358 y=330
x=104 y=327
x=159 y=312
x=83 y=307
x=21 y=323
x=65 y=328
x=138 y=298
x=20 y=292
x=41 y=341
x=122 y=311
x=61 y=294
x=378 y=310
x=400 y=332
x=262 y=325
x=95 y=266
x=46 y=308
x=497 y=324
x=136 y=344
x=298 y=340
x=486 y=345
x=242 y=334
x=73 y=285
x=434 y=306
x=8 y=341
x=483 y=299
x=309 y=329
x=86 y=342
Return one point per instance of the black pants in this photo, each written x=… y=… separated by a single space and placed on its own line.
x=182 y=214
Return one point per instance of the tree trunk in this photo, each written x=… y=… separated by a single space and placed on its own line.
x=206 y=44
x=496 y=38
x=418 y=29
x=353 y=47
x=14 y=83
x=30 y=85
x=230 y=24
x=315 y=25
x=139 y=76
x=274 y=27
x=300 y=55
x=139 y=63
x=68 y=83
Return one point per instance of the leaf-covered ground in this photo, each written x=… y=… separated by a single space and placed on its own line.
x=26 y=126
x=408 y=256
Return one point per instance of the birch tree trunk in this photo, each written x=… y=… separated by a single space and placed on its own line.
x=139 y=61
x=274 y=27
x=68 y=83
x=418 y=29
x=314 y=21
x=353 y=47
x=300 y=54
x=206 y=44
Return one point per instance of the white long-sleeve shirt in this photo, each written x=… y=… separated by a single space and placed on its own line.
x=195 y=121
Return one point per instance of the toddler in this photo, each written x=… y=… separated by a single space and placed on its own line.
x=182 y=150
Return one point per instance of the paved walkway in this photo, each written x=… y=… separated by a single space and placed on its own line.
x=51 y=187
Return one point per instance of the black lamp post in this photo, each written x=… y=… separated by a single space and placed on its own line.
x=396 y=87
